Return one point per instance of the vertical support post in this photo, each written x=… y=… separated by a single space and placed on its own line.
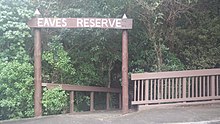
x=213 y=86
x=71 y=101
x=135 y=90
x=119 y=95
x=125 y=70
x=92 y=101
x=184 y=88
x=37 y=70
x=107 y=101
x=146 y=90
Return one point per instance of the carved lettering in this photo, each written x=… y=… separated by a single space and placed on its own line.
x=97 y=22
x=40 y=22
x=81 y=22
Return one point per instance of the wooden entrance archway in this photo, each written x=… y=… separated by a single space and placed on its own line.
x=114 y=23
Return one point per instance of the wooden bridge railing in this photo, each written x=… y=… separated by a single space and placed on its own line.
x=176 y=87
x=91 y=89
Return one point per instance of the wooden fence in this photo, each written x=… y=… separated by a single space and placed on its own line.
x=176 y=87
x=91 y=89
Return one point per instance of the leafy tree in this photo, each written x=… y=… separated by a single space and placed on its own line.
x=156 y=34
x=58 y=62
x=198 y=36
x=16 y=71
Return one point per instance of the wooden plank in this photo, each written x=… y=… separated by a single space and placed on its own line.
x=135 y=90
x=200 y=86
x=184 y=88
x=180 y=88
x=213 y=88
x=169 y=89
x=197 y=86
x=204 y=86
x=108 y=101
x=146 y=89
x=176 y=91
x=114 y=23
x=151 y=90
x=217 y=85
x=165 y=88
x=138 y=89
x=119 y=95
x=162 y=87
x=71 y=101
x=172 y=88
x=142 y=90
x=69 y=87
x=175 y=74
x=158 y=89
x=193 y=86
x=91 y=101
x=208 y=82
x=176 y=100
x=152 y=106
x=188 y=82
x=155 y=84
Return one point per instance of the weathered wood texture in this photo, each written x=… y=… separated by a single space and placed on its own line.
x=69 y=87
x=91 y=89
x=114 y=23
x=176 y=86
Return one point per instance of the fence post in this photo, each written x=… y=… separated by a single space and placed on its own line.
x=119 y=100
x=107 y=101
x=213 y=86
x=184 y=89
x=146 y=90
x=92 y=101
x=71 y=101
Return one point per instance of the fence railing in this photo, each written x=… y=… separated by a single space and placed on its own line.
x=176 y=86
x=91 y=89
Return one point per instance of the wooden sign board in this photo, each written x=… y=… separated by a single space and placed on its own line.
x=114 y=23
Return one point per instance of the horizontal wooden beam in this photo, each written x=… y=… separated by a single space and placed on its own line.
x=69 y=87
x=174 y=74
x=176 y=100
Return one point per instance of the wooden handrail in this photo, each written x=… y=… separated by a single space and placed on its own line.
x=175 y=74
x=173 y=87
x=91 y=89
x=69 y=87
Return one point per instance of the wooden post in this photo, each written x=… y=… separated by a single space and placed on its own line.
x=92 y=101
x=124 y=70
x=119 y=95
x=184 y=89
x=213 y=86
x=37 y=70
x=71 y=101
x=107 y=101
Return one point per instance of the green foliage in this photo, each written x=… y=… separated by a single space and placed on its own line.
x=54 y=101
x=58 y=61
x=198 y=43
x=16 y=88
x=82 y=101
x=14 y=32
x=16 y=72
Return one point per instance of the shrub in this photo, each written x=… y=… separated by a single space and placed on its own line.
x=54 y=101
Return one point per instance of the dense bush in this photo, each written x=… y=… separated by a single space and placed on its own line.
x=54 y=101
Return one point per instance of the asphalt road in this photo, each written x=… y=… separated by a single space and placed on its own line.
x=200 y=114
